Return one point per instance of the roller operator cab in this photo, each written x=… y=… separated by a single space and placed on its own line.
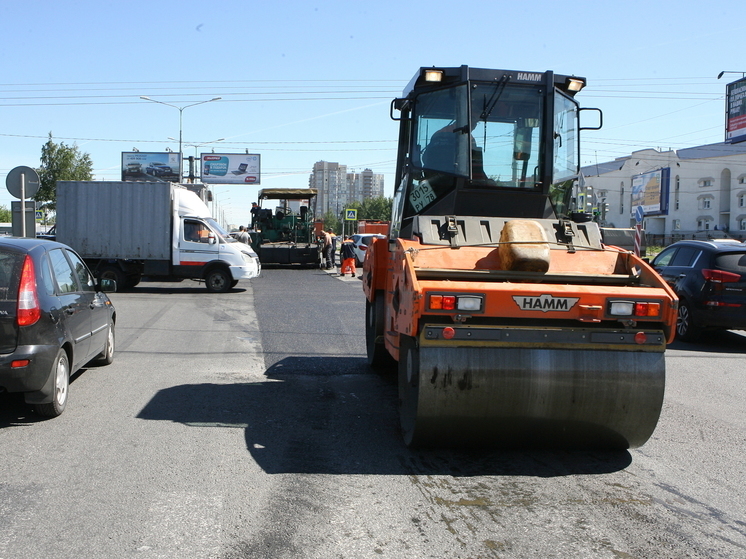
x=511 y=323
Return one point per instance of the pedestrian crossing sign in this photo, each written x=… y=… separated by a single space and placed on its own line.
x=351 y=215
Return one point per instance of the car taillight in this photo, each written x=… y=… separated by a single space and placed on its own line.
x=28 y=302
x=362 y=247
x=722 y=304
x=720 y=276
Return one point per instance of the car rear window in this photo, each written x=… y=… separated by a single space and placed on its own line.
x=731 y=262
x=10 y=274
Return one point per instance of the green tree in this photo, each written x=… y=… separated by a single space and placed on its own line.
x=60 y=162
x=377 y=209
x=332 y=221
x=5 y=215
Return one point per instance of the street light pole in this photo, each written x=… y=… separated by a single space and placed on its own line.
x=195 y=146
x=181 y=112
x=192 y=160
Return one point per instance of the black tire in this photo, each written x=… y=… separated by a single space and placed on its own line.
x=61 y=387
x=218 y=281
x=378 y=357
x=685 y=330
x=115 y=273
x=409 y=387
x=106 y=357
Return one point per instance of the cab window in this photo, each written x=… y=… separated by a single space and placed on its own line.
x=196 y=231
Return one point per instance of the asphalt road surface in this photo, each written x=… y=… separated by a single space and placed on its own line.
x=247 y=425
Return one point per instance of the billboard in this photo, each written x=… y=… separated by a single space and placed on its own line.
x=735 y=116
x=150 y=166
x=231 y=168
x=650 y=190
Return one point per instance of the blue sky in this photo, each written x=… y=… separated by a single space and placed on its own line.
x=302 y=82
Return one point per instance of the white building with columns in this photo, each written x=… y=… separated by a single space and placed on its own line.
x=684 y=193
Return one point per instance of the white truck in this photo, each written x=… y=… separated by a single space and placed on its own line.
x=127 y=230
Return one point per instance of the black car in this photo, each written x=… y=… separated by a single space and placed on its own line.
x=710 y=279
x=54 y=319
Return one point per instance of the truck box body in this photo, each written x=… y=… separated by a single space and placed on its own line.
x=127 y=230
x=117 y=220
x=368 y=226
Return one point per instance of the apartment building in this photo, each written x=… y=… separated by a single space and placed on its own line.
x=337 y=187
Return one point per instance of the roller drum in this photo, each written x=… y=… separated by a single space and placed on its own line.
x=516 y=397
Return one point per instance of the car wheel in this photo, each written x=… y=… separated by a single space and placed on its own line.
x=218 y=281
x=61 y=379
x=106 y=357
x=685 y=330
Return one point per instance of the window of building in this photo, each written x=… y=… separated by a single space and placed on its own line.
x=703 y=224
x=742 y=225
x=705 y=202
x=706 y=182
x=676 y=224
x=742 y=179
x=676 y=197
x=621 y=198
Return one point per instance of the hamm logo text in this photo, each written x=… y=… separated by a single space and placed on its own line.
x=545 y=303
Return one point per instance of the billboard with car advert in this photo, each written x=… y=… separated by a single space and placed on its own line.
x=149 y=166
x=735 y=123
x=650 y=190
x=230 y=168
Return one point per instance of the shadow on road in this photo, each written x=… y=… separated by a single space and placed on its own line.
x=721 y=341
x=321 y=416
x=15 y=412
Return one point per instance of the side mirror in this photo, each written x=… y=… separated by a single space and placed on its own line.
x=109 y=285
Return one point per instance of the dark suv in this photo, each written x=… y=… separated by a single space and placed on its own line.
x=54 y=319
x=710 y=279
x=158 y=169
